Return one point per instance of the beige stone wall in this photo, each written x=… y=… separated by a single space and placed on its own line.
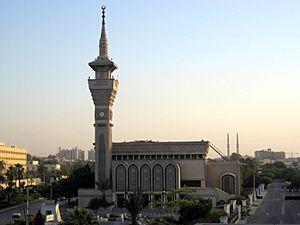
x=192 y=170
x=215 y=170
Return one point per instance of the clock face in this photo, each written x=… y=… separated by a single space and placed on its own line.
x=101 y=114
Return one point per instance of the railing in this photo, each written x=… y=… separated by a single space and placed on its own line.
x=218 y=151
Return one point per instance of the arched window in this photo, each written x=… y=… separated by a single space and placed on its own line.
x=120 y=178
x=170 y=177
x=228 y=183
x=158 y=178
x=133 y=178
x=145 y=178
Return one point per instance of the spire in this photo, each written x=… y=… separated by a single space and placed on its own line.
x=103 y=43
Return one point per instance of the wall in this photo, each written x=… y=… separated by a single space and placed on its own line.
x=214 y=171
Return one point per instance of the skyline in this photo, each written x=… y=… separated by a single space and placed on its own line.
x=238 y=60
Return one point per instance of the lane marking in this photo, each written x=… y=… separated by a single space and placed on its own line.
x=281 y=222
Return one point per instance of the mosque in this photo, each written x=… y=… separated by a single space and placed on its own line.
x=149 y=165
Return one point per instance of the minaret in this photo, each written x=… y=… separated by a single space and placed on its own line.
x=228 y=146
x=103 y=89
x=237 y=144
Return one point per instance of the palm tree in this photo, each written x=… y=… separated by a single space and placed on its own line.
x=134 y=204
x=20 y=170
x=2 y=166
x=80 y=216
x=103 y=186
x=11 y=175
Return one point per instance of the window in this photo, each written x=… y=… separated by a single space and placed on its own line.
x=191 y=183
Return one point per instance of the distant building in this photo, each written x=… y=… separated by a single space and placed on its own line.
x=71 y=154
x=269 y=156
x=33 y=166
x=91 y=155
x=12 y=155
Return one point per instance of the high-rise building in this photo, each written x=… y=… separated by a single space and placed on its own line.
x=71 y=154
x=91 y=155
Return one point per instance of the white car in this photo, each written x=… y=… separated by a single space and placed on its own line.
x=16 y=216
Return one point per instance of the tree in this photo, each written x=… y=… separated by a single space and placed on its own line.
x=235 y=156
x=191 y=209
x=103 y=186
x=80 y=216
x=19 y=174
x=249 y=167
x=134 y=205
x=11 y=175
x=2 y=168
x=39 y=219
x=296 y=181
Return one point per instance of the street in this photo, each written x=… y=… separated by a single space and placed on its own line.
x=275 y=209
x=6 y=216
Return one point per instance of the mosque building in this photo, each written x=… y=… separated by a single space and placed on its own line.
x=149 y=165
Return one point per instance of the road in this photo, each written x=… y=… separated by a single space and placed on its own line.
x=5 y=217
x=275 y=209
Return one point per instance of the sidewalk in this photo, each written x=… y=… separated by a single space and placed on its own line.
x=253 y=208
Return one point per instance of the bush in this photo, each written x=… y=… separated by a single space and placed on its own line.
x=96 y=203
x=191 y=209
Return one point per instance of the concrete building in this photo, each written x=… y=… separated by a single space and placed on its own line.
x=12 y=155
x=33 y=166
x=71 y=154
x=269 y=156
x=91 y=155
x=148 y=165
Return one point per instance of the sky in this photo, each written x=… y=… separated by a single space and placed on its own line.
x=188 y=70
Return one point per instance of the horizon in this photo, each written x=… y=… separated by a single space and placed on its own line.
x=186 y=72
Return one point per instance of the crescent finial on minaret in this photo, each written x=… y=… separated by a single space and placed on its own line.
x=103 y=7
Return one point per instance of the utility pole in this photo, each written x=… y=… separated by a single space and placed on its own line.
x=27 y=197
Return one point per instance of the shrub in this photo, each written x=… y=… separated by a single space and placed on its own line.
x=191 y=209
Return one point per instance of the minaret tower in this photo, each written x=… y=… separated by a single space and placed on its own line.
x=103 y=89
x=228 y=146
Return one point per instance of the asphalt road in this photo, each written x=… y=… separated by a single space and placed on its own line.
x=6 y=216
x=275 y=209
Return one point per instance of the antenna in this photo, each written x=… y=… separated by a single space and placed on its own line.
x=228 y=146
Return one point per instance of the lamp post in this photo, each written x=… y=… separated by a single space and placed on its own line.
x=27 y=197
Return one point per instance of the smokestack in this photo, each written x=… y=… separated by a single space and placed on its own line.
x=237 y=144
x=228 y=146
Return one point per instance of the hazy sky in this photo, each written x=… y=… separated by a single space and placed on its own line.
x=188 y=70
